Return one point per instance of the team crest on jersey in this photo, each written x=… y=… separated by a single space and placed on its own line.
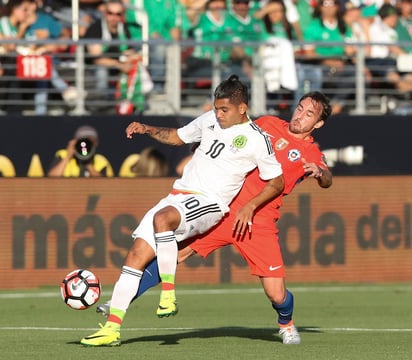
x=294 y=155
x=281 y=144
x=239 y=142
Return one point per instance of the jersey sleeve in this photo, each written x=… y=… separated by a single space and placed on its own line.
x=192 y=132
x=267 y=163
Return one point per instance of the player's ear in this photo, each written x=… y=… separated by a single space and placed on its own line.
x=319 y=124
x=242 y=108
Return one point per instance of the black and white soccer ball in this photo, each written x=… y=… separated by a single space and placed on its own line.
x=80 y=289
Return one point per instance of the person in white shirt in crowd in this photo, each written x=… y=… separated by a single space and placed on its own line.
x=384 y=50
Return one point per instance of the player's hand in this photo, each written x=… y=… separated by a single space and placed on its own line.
x=135 y=128
x=312 y=169
x=243 y=221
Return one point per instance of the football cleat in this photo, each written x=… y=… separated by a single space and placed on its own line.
x=106 y=336
x=290 y=335
x=167 y=307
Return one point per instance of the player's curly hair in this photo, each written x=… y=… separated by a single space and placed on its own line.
x=323 y=100
x=234 y=90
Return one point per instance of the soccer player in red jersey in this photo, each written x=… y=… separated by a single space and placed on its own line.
x=300 y=157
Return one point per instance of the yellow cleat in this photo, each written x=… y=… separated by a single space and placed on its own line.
x=167 y=307
x=106 y=336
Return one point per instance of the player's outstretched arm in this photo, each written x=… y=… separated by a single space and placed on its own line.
x=164 y=135
x=244 y=216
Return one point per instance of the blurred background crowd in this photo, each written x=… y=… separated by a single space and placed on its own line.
x=292 y=46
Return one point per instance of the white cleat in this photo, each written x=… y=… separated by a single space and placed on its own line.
x=290 y=335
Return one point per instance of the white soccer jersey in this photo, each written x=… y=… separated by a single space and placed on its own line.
x=224 y=158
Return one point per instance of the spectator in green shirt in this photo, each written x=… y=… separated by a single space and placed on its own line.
x=212 y=26
x=328 y=29
x=404 y=24
x=244 y=28
x=165 y=24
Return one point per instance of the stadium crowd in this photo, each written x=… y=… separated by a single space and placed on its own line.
x=307 y=45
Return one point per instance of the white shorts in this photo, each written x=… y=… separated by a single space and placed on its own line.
x=198 y=214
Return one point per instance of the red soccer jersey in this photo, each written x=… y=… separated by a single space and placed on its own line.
x=289 y=152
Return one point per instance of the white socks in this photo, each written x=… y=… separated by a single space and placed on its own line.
x=125 y=288
x=166 y=252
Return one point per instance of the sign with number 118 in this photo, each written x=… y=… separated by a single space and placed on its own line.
x=34 y=67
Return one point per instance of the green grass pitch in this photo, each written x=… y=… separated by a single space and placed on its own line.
x=217 y=322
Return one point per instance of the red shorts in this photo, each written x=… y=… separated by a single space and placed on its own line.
x=260 y=248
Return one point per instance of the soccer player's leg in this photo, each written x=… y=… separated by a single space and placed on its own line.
x=167 y=303
x=215 y=238
x=150 y=278
x=187 y=216
x=124 y=290
x=139 y=255
x=165 y=222
x=287 y=329
x=283 y=303
x=264 y=258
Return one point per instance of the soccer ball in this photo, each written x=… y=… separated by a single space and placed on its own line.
x=80 y=289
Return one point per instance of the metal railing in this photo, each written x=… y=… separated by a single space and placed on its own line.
x=179 y=92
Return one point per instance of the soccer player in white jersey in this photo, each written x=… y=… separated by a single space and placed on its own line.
x=230 y=146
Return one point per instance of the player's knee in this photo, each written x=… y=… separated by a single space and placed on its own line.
x=166 y=219
x=276 y=296
x=139 y=255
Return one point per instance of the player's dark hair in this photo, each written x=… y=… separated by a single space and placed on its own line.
x=234 y=90
x=322 y=99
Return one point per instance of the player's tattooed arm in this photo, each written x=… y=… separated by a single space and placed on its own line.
x=164 y=135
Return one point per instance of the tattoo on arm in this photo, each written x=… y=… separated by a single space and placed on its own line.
x=163 y=135
x=160 y=134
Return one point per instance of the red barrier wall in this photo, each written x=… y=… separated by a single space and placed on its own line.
x=357 y=231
